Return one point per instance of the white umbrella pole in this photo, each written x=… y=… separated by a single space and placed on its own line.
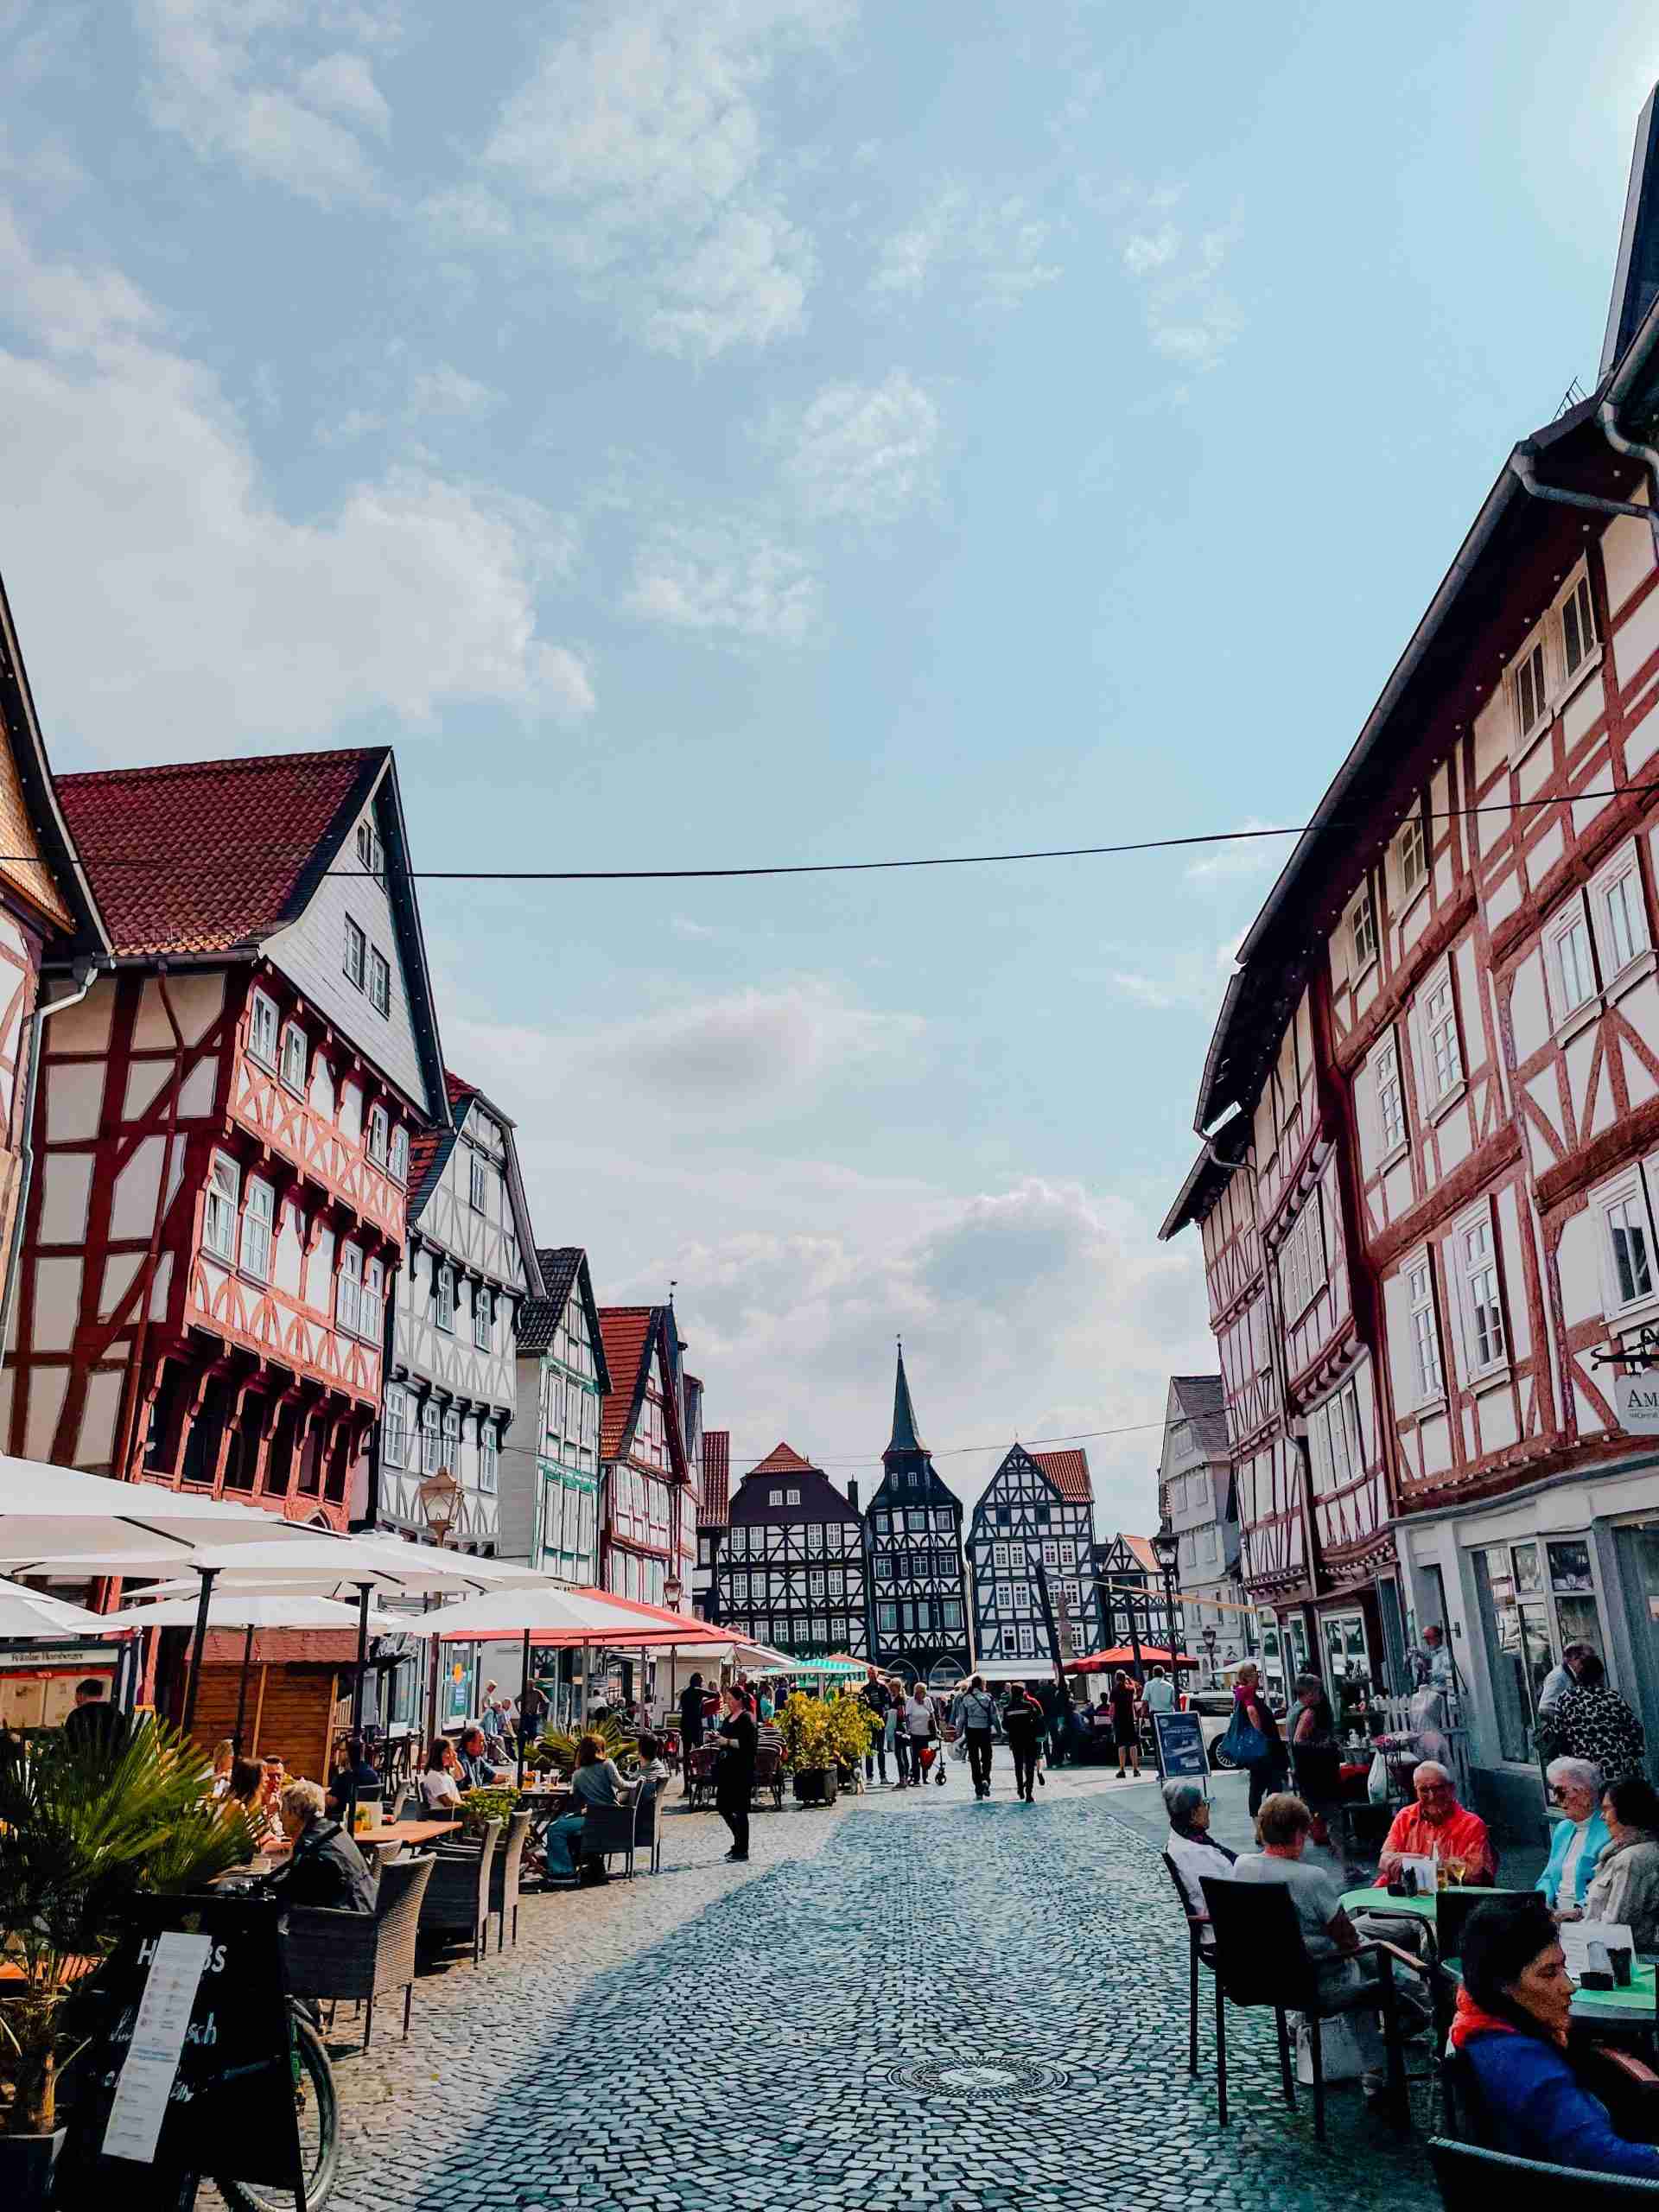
x=198 y=1641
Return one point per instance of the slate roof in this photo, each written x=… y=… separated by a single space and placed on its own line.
x=205 y=855
x=906 y=1436
x=714 y=1506
x=1203 y=1399
x=1068 y=1473
x=561 y=1268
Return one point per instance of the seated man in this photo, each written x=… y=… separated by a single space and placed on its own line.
x=1436 y=1827
x=354 y=1767
x=478 y=1769
x=325 y=1868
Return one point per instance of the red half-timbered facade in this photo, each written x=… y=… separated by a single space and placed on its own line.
x=222 y=1129
x=648 y=1502
x=1471 y=952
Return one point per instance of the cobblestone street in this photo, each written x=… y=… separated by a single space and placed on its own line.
x=743 y=2037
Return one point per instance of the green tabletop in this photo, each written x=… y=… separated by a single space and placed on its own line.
x=1380 y=1901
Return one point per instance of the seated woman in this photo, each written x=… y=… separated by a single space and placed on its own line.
x=440 y=1783
x=596 y=1782
x=223 y=1754
x=652 y=1766
x=249 y=1791
x=1580 y=1839
x=325 y=1868
x=1624 y=1888
x=1510 y=2031
x=1193 y=1852
x=354 y=1766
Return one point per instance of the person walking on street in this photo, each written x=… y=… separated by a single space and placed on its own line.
x=1268 y=1772
x=1592 y=1721
x=1126 y=1724
x=1022 y=1723
x=897 y=1734
x=921 y=1726
x=976 y=1718
x=734 y=1773
x=1159 y=1695
x=1057 y=1710
x=878 y=1703
x=691 y=1728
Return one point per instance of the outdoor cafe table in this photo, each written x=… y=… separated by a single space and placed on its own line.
x=401 y=1832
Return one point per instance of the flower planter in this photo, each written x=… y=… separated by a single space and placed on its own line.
x=815 y=1785
x=26 y=2167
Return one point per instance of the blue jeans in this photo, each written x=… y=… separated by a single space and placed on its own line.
x=561 y=1843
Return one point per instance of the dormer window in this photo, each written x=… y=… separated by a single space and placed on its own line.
x=297 y=1055
x=261 y=1029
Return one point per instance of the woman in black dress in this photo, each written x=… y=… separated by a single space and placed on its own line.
x=1126 y=1727
x=734 y=1770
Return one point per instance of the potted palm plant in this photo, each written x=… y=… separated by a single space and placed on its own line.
x=555 y=1751
x=84 y=1825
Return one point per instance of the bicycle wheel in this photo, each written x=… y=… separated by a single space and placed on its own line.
x=319 y=2116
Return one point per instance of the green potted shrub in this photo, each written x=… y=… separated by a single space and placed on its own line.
x=83 y=1826
x=809 y=1749
x=851 y=1733
x=493 y=1803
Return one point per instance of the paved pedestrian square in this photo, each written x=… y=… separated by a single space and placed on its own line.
x=910 y=2000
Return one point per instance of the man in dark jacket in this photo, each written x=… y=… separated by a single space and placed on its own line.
x=325 y=1866
x=875 y=1697
x=93 y=1720
x=691 y=1728
x=1022 y=1723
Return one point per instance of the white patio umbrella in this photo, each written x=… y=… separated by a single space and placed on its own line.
x=47 y=1511
x=32 y=1616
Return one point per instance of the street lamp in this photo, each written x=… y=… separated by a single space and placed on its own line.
x=1167 y=1550
x=439 y=1494
x=673 y=1591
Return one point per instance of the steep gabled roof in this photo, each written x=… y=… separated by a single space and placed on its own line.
x=1140 y=1551
x=783 y=1460
x=1068 y=1473
x=1203 y=1401
x=631 y=1335
x=562 y=1268
x=429 y=1153
x=906 y=1435
x=56 y=883
x=714 y=1506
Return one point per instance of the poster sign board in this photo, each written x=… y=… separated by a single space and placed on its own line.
x=1179 y=1739
x=1637 y=1397
x=189 y=2069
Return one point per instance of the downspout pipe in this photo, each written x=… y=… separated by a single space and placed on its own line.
x=1524 y=463
x=1607 y=417
x=86 y=974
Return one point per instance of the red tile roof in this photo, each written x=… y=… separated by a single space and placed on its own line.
x=1068 y=1473
x=714 y=1509
x=783 y=1460
x=206 y=855
x=627 y=1332
x=1142 y=1551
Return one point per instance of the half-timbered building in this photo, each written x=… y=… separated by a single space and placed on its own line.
x=648 y=1511
x=1131 y=1594
x=1195 y=1492
x=222 y=1128
x=790 y=1571
x=452 y=1380
x=1470 y=964
x=549 y=1463
x=714 y=1515
x=50 y=928
x=1039 y=1507
x=917 y=1588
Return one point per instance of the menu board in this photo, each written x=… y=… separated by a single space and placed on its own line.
x=1179 y=1739
x=189 y=2070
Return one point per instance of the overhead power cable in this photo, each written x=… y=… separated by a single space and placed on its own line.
x=944 y=1452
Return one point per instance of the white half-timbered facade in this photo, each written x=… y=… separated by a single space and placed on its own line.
x=790 y=1571
x=452 y=1380
x=1038 y=1507
x=550 y=1469
x=919 y=1624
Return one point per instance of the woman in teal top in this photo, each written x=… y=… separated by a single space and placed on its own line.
x=1580 y=1836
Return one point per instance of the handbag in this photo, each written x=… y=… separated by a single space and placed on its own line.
x=1244 y=1743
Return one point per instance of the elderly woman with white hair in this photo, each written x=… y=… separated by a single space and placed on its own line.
x=1581 y=1835
x=1192 y=1850
x=325 y=1868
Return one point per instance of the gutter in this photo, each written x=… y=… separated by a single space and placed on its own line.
x=85 y=973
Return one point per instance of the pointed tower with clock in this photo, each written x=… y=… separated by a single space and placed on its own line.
x=918 y=1578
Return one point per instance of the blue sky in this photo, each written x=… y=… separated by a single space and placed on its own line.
x=791 y=429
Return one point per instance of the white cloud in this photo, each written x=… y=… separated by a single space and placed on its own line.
x=995 y=244
x=1247 y=856
x=864 y=453
x=693 y=933
x=220 y=621
x=727 y=580
x=228 y=76
x=642 y=137
x=1191 y=317
x=446 y=391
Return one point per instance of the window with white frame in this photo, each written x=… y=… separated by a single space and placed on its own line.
x=355 y=957
x=1621 y=1208
x=348 y=1299
x=1302 y=1263
x=373 y=1299
x=488 y=1456
x=483 y=1315
x=399 y=1158
x=261 y=1029
x=371 y=857
x=1569 y=959
x=218 y=1214
x=1442 y=1053
x=1531 y=690
x=1620 y=912
x=1390 y=1095
x=257 y=1218
x=1362 y=931
x=446 y=1293
x=379 y=982
x=296 y=1058
x=1577 y=624
x=379 y=1132
x=1484 y=1340
x=394 y=1427
x=479 y=1186
x=431 y=1437
x=452 y=1437
x=1428 y=1373
x=792 y=1498
x=1411 y=854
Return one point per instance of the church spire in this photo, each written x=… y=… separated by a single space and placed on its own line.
x=904 y=1435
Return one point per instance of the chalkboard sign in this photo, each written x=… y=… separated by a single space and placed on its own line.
x=189 y=2069
x=1179 y=1739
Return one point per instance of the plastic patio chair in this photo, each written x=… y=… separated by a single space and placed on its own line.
x=1196 y=1956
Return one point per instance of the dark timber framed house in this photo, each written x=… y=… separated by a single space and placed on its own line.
x=1039 y=1506
x=790 y=1571
x=919 y=1579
